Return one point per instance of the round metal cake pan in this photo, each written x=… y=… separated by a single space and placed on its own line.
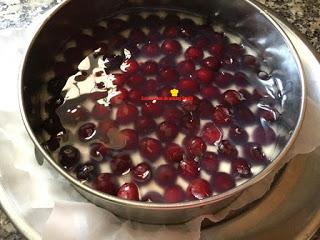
x=256 y=24
x=306 y=226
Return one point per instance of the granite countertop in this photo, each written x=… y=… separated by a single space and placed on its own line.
x=303 y=14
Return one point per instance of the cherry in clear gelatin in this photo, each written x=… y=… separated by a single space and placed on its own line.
x=87 y=131
x=210 y=162
x=68 y=157
x=121 y=164
x=189 y=169
x=195 y=146
x=167 y=131
x=222 y=182
x=105 y=182
x=174 y=194
x=173 y=153
x=142 y=173
x=150 y=148
x=199 y=189
x=165 y=175
x=129 y=191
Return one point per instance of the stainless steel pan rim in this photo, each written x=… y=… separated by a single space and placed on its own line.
x=175 y=206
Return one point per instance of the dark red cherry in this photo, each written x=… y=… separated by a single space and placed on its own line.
x=174 y=194
x=121 y=164
x=234 y=50
x=173 y=115
x=120 y=97
x=87 y=171
x=227 y=149
x=195 y=146
x=205 y=109
x=145 y=125
x=168 y=75
x=186 y=67
x=126 y=113
x=221 y=115
x=100 y=111
x=135 y=96
x=240 y=79
x=151 y=50
x=150 y=86
x=264 y=135
x=129 y=191
x=223 y=79
x=190 y=105
x=188 y=86
x=238 y=135
x=99 y=151
x=194 y=53
x=210 y=92
x=205 y=75
x=167 y=61
x=152 y=196
x=211 y=134
x=173 y=153
x=216 y=50
x=68 y=157
x=165 y=175
x=240 y=167
x=130 y=138
x=189 y=169
x=142 y=173
x=130 y=66
x=167 y=131
x=150 y=148
x=229 y=63
x=154 y=36
x=149 y=67
x=171 y=31
x=232 y=97
x=164 y=92
x=190 y=123
x=210 y=162
x=135 y=81
x=254 y=152
x=222 y=182
x=199 y=189
x=171 y=47
x=87 y=131
x=152 y=109
x=106 y=183
x=212 y=63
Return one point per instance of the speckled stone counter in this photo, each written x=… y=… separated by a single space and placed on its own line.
x=303 y=14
